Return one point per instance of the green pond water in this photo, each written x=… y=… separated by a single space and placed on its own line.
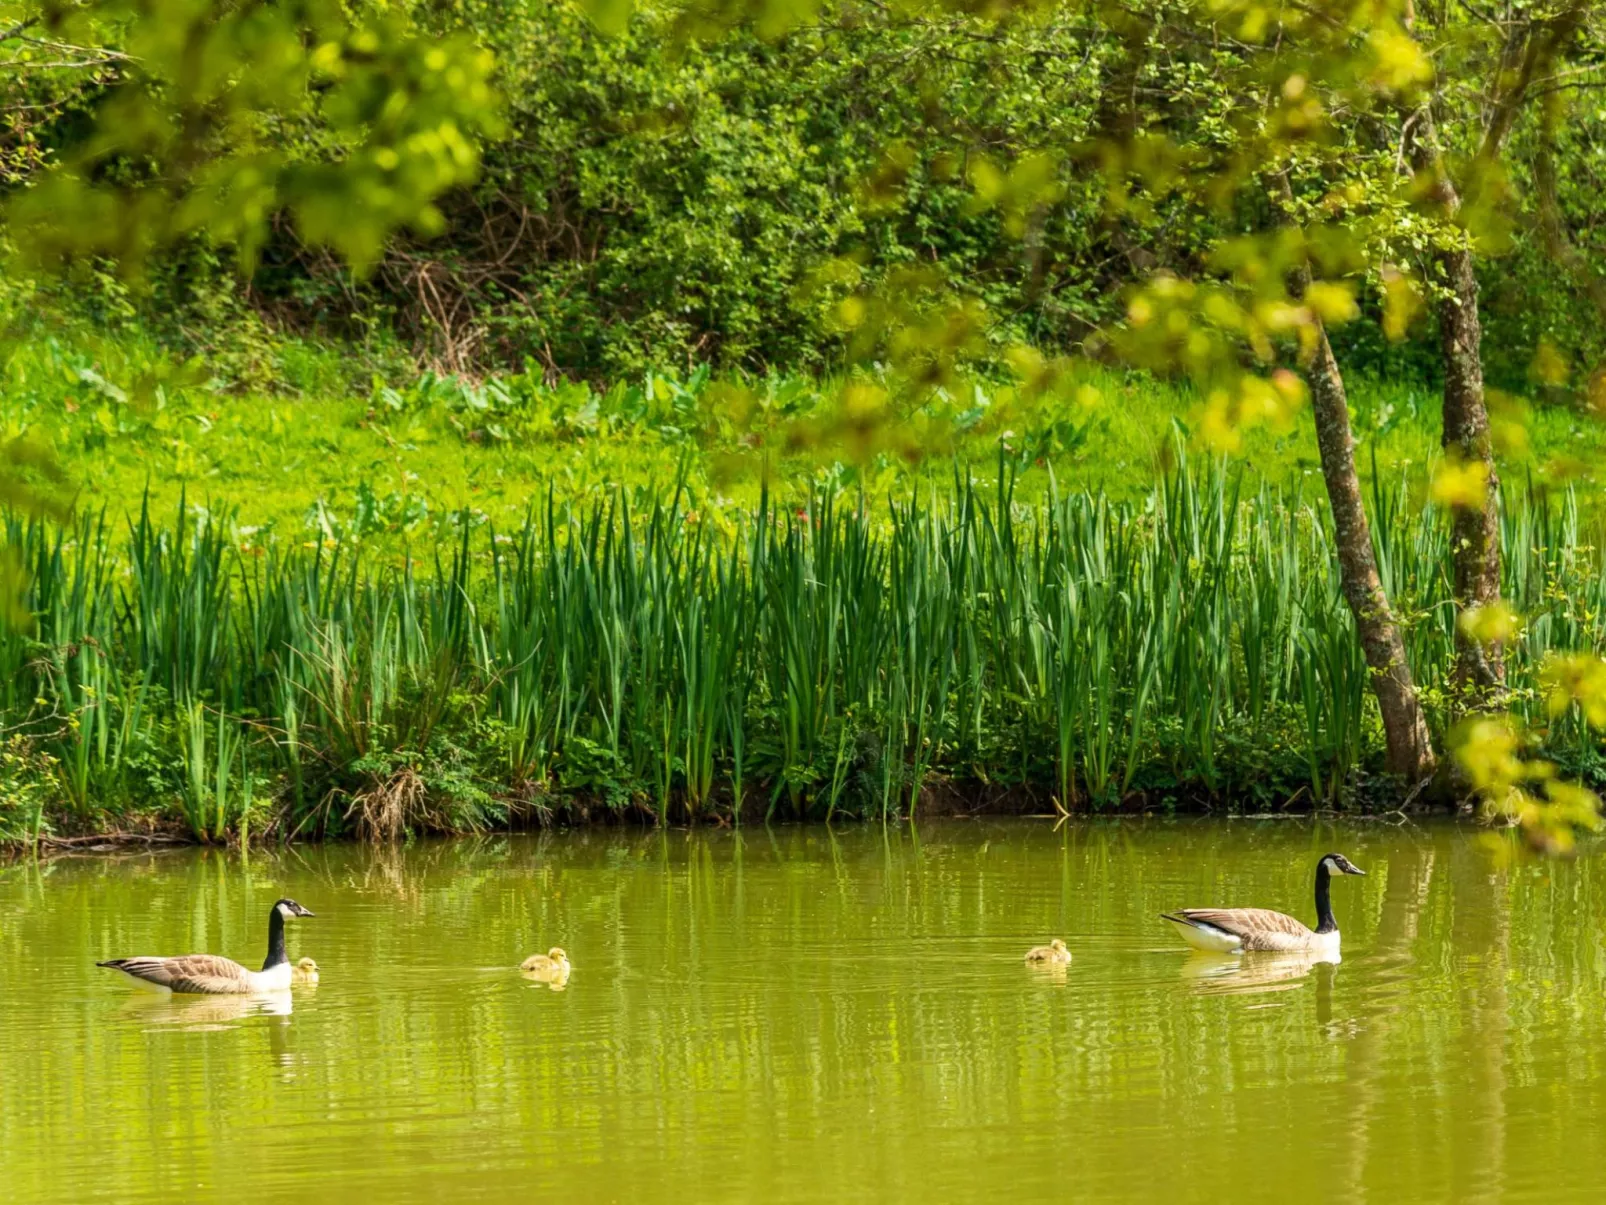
x=802 y=1015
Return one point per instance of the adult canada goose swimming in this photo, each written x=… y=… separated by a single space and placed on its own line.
x=1229 y=930
x=207 y=974
x=304 y=971
x=551 y=967
x=1053 y=954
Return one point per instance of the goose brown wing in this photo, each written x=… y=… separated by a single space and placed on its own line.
x=1257 y=928
x=205 y=974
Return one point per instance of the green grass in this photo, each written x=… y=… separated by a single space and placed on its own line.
x=339 y=451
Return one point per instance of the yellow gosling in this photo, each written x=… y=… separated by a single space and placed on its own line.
x=551 y=967
x=305 y=971
x=1053 y=954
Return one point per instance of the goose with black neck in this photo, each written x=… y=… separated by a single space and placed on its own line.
x=1234 y=930
x=212 y=975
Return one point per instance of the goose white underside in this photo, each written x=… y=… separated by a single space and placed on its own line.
x=278 y=979
x=145 y=985
x=1207 y=937
x=1202 y=935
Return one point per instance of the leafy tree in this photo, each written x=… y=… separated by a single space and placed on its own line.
x=1491 y=67
x=182 y=105
x=177 y=109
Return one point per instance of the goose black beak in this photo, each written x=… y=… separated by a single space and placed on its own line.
x=300 y=911
x=1354 y=869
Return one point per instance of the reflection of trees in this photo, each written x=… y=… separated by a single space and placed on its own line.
x=775 y=987
x=1385 y=974
x=1481 y=933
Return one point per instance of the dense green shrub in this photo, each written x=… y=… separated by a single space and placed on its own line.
x=657 y=202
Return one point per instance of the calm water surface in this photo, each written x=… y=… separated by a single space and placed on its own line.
x=794 y=1015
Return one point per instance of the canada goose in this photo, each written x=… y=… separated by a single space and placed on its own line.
x=1228 y=930
x=305 y=971
x=551 y=967
x=207 y=974
x=1054 y=953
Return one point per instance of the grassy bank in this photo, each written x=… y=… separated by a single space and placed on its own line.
x=967 y=647
x=360 y=449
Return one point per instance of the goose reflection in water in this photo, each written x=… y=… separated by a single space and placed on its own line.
x=206 y=1013
x=1224 y=974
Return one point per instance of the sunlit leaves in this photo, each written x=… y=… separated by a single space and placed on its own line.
x=1398 y=63
x=1576 y=679
x=1028 y=185
x=1549 y=365
x=1460 y=484
x=1492 y=624
x=1522 y=789
x=1228 y=412
x=910 y=320
x=184 y=141
x=1402 y=302
x=31 y=481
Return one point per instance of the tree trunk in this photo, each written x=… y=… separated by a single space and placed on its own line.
x=1480 y=669
x=1409 y=747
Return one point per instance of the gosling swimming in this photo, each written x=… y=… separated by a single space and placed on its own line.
x=551 y=967
x=1232 y=930
x=210 y=975
x=1053 y=954
x=305 y=971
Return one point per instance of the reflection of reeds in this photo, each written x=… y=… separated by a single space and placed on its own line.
x=813 y=662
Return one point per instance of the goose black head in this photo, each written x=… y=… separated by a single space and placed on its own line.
x=288 y=908
x=1339 y=864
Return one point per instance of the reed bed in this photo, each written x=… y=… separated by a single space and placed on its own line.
x=961 y=650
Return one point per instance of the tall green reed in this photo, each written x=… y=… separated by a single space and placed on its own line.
x=838 y=656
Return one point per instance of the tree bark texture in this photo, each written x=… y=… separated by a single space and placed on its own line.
x=1480 y=669
x=1409 y=745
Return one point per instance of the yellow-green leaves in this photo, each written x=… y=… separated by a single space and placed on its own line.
x=1576 y=679
x=1549 y=365
x=1398 y=63
x=1402 y=301
x=1498 y=756
x=185 y=140
x=1495 y=623
x=1027 y=186
x=1460 y=484
x=1521 y=789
